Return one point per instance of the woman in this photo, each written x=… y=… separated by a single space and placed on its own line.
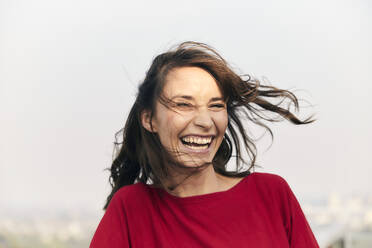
x=171 y=187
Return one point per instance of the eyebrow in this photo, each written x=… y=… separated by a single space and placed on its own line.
x=213 y=99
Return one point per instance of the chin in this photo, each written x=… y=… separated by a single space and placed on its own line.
x=191 y=161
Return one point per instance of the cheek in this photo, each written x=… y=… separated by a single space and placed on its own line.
x=170 y=127
x=176 y=124
x=221 y=121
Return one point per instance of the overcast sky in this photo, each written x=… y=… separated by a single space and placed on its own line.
x=69 y=71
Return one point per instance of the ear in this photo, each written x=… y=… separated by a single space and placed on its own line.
x=147 y=121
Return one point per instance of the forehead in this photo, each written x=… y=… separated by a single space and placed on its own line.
x=191 y=81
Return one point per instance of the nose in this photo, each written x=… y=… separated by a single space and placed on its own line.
x=203 y=119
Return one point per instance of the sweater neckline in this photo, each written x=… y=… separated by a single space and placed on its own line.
x=203 y=197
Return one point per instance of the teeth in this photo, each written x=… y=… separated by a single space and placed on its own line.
x=197 y=140
x=197 y=147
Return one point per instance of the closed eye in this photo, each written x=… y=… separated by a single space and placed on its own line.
x=183 y=104
x=219 y=106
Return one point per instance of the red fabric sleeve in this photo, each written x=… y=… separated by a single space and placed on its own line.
x=298 y=230
x=112 y=231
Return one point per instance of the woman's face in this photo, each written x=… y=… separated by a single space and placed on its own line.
x=191 y=127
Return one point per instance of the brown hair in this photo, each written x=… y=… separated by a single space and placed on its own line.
x=142 y=158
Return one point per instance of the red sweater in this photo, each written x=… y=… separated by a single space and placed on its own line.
x=259 y=211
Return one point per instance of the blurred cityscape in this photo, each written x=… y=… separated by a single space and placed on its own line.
x=48 y=228
x=341 y=221
x=337 y=222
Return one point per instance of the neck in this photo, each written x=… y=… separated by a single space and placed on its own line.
x=203 y=182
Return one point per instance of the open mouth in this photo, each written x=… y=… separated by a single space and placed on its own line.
x=197 y=142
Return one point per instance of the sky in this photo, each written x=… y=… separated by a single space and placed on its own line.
x=69 y=72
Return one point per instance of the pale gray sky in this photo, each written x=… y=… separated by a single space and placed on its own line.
x=69 y=71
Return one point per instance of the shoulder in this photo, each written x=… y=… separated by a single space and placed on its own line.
x=133 y=190
x=268 y=179
x=273 y=190
x=132 y=194
x=270 y=185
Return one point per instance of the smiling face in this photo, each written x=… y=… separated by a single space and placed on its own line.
x=192 y=125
